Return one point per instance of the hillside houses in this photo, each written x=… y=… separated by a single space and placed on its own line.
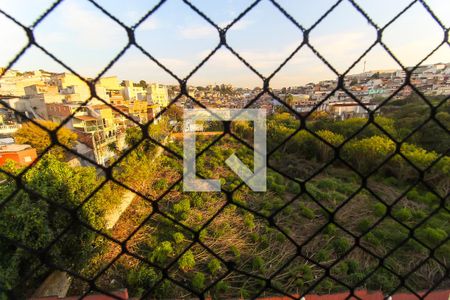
x=431 y=80
x=100 y=122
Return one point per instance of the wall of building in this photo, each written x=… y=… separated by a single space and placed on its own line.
x=158 y=94
x=24 y=157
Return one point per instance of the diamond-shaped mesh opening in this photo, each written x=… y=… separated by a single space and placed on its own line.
x=385 y=183
x=70 y=36
x=426 y=29
x=209 y=163
x=357 y=198
x=386 y=235
x=196 y=34
x=429 y=271
x=298 y=276
x=343 y=49
x=355 y=267
x=286 y=37
x=383 y=280
x=127 y=270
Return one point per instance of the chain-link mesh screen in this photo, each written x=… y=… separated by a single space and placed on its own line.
x=338 y=217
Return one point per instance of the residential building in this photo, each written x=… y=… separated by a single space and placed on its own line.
x=111 y=85
x=132 y=91
x=95 y=126
x=63 y=80
x=9 y=129
x=22 y=154
x=75 y=90
x=152 y=111
x=12 y=83
x=345 y=110
x=37 y=96
x=135 y=109
x=158 y=94
x=82 y=93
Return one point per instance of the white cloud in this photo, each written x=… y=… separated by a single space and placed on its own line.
x=87 y=25
x=81 y=36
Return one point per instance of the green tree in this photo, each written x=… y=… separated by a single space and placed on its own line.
x=40 y=139
x=174 y=112
x=324 y=151
x=34 y=219
x=143 y=84
x=133 y=135
x=366 y=154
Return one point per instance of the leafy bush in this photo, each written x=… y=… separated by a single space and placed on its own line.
x=33 y=222
x=214 y=266
x=235 y=251
x=363 y=225
x=293 y=187
x=380 y=209
x=178 y=237
x=141 y=276
x=431 y=236
x=330 y=229
x=306 y=273
x=367 y=154
x=324 y=151
x=38 y=138
x=182 y=207
x=162 y=252
x=403 y=214
x=341 y=245
x=328 y=184
x=198 y=281
x=306 y=211
x=220 y=288
x=187 y=261
x=249 y=221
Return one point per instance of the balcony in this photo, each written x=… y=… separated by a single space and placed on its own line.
x=105 y=141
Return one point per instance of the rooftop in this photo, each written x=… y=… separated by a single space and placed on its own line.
x=13 y=148
x=85 y=118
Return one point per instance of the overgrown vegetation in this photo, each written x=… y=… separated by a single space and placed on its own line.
x=40 y=139
x=40 y=217
x=323 y=216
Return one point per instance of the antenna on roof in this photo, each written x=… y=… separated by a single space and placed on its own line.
x=364 y=69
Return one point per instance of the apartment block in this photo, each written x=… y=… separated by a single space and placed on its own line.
x=158 y=94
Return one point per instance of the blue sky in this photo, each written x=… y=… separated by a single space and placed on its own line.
x=85 y=39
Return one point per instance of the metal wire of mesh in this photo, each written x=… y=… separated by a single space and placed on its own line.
x=267 y=283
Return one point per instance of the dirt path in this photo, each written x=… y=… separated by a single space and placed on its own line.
x=112 y=219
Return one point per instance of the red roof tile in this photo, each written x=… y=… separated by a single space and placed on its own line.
x=365 y=295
